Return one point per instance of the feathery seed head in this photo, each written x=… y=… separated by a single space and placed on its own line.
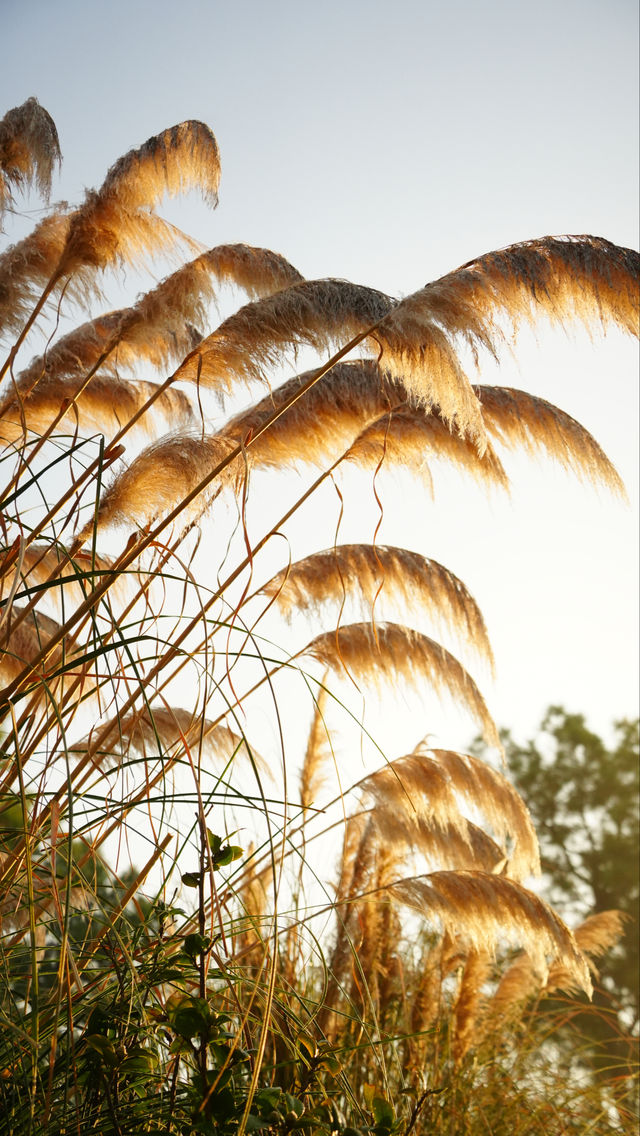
x=363 y=571
x=488 y=910
x=317 y=313
x=163 y=475
x=389 y=651
x=29 y=151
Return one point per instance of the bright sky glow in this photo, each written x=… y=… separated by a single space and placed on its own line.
x=388 y=144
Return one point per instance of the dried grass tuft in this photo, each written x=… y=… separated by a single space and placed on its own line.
x=322 y=423
x=523 y=421
x=258 y=271
x=29 y=152
x=568 y=277
x=522 y=979
x=564 y=278
x=105 y=234
x=165 y=730
x=452 y=844
x=426 y=998
x=595 y=936
x=356 y=868
x=179 y=159
x=74 y=583
x=317 y=754
x=519 y=983
x=117 y=224
x=27 y=266
x=416 y=805
x=490 y=910
x=163 y=475
x=416 y=793
x=162 y=326
x=421 y=353
x=106 y=403
x=599 y=932
x=316 y=313
x=389 y=652
x=361 y=571
x=20 y=646
x=501 y=804
x=412 y=438
x=466 y=1010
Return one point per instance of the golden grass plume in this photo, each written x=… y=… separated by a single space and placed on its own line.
x=361 y=571
x=29 y=152
x=410 y=437
x=117 y=223
x=179 y=159
x=320 y=424
x=563 y=278
x=522 y=979
x=500 y=803
x=162 y=476
x=568 y=277
x=158 y=330
x=533 y=425
x=106 y=403
x=27 y=266
x=452 y=843
x=490 y=911
x=314 y=313
x=318 y=752
x=594 y=936
x=77 y=578
x=163 y=730
x=416 y=804
x=390 y=651
x=21 y=645
x=469 y=1002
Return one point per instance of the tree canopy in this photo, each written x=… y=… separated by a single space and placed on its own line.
x=582 y=792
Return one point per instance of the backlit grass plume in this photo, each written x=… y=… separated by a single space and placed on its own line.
x=490 y=910
x=427 y=785
x=209 y=919
x=366 y=572
x=378 y=651
x=29 y=152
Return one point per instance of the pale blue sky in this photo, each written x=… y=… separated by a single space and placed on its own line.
x=366 y=140
x=387 y=144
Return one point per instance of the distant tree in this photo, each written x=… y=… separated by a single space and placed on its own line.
x=583 y=798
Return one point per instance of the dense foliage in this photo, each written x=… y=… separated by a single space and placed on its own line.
x=583 y=795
